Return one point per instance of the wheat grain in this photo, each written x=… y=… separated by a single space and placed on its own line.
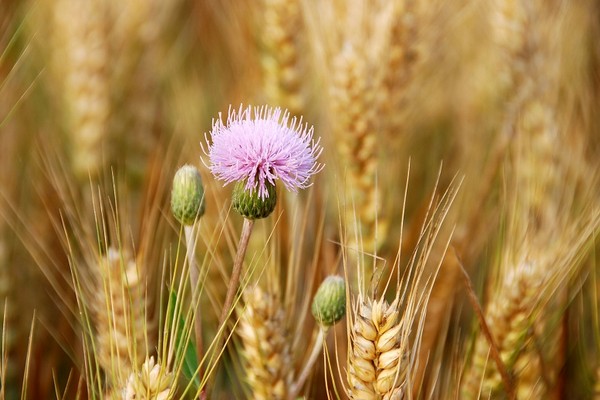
x=266 y=346
x=152 y=382
x=376 y=362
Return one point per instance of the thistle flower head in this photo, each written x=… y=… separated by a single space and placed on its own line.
x=259 y=145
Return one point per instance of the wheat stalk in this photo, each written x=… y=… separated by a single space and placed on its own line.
x=266 y=346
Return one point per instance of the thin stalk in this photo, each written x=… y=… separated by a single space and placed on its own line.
x=314 y=354
x=190 y=240
x=234 y=282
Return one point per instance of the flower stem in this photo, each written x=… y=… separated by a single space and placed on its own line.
x=234 y=282
x=314 y=354
x=190 y=239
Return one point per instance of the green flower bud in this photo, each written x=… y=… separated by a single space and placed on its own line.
x=187 y=195
x=250 y=205
x=329 y=303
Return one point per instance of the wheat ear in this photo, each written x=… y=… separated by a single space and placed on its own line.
x=266 y=346
x=135 y=80
x=536 y=212
x=401 y=57
x=354 y=129
x=152 y=382
x=377 y=363
x=509 y=317
x=81 y=32
x=280 y=60
x=120 y=319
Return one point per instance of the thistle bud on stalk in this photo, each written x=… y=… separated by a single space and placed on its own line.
x=187 y=196
x=329 y=303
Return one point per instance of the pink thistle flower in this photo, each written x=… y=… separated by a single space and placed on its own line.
x=262 y=146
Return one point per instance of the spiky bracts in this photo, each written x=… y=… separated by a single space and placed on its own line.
x=281 y=61
x=120 y=306
x=152 y=382
x=376 y=363
x=266 y=346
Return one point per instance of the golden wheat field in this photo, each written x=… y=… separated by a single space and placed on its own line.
x=299 y=199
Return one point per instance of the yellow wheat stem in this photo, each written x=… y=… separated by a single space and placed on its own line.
x=266 y=346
